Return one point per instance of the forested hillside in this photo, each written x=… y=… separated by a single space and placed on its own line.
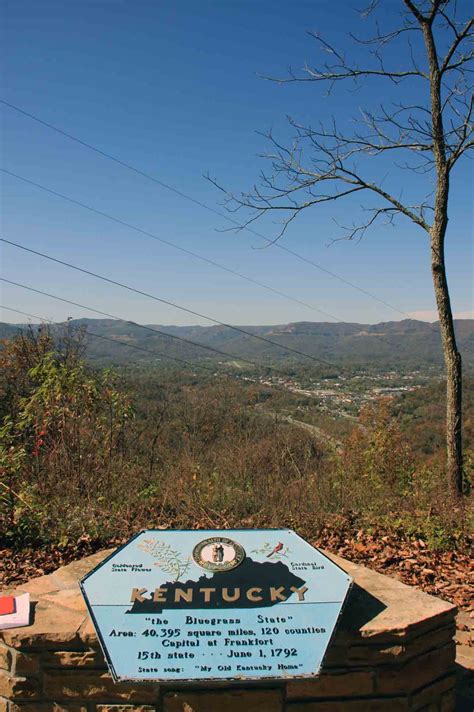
x=406 y=343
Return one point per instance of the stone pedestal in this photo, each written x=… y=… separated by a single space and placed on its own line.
x=393 y=650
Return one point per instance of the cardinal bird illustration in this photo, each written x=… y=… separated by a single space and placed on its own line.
x=278 y=548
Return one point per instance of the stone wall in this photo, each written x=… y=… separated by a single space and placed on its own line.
x=393 y=651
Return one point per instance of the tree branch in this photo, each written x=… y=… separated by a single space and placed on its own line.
x=460 y=36
x=325 y=164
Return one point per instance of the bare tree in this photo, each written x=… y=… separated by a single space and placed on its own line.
x=324 y=163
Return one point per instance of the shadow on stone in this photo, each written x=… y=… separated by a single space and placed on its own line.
x=33 y=605
x=464 y=689
x=360 y=608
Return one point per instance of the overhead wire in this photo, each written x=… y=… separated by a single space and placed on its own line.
x=163 y=240
x=215 y=372
x=168 y=302
x=140 y=326
x=122 y=343
x=182 y=249
x=201 y=204
x=156 y=237
x=23 y=247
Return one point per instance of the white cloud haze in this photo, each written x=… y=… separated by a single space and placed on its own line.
x=432 y=315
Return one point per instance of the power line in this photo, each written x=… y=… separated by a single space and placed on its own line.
x=122 y=343
x=182 y=249
x=196 y=255
x=203 y=205
x=214 y=372
x=172 y=304
x=140 y=326
x=349 y=325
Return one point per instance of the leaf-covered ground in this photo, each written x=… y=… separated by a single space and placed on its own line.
x=446 y=574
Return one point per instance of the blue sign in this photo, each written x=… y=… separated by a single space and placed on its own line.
x=215 y=605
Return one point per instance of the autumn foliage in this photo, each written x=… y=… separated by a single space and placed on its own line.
x=94 y=455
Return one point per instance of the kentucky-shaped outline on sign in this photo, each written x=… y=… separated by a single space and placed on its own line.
x=197 y=605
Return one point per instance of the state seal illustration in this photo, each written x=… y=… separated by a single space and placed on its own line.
x=218 y=554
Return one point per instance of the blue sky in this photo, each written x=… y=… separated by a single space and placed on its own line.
x=173 y=88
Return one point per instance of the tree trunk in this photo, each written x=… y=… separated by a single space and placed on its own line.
x=453 y=362
x=452 y=357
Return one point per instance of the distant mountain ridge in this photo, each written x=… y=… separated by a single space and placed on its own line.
x=409 y=342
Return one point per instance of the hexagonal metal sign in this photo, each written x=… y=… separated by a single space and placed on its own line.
x=215 y=605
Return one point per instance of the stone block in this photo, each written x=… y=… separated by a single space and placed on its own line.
x=337 y=684
x=416 y=673
x=87 y=633
x=448 y=702
x=225 y=701
x=397 y=654
x=68 y=598
x=372 y=655
x=464 y=621
x=17 y=688
x=46 y=707
x=399 y=611
x=6 y=658
x=465 y=657
x=95 y=685
x=464 y=637
x=125 y=708
x=26 y=664
x=67 y=577
x=51 y=627
x=434 y=638
x=433 y=693
x=336 y=656
x=74 y=658
x=379 y=704
x=37 y=587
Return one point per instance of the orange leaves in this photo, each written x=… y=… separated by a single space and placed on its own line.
x=447 y=574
